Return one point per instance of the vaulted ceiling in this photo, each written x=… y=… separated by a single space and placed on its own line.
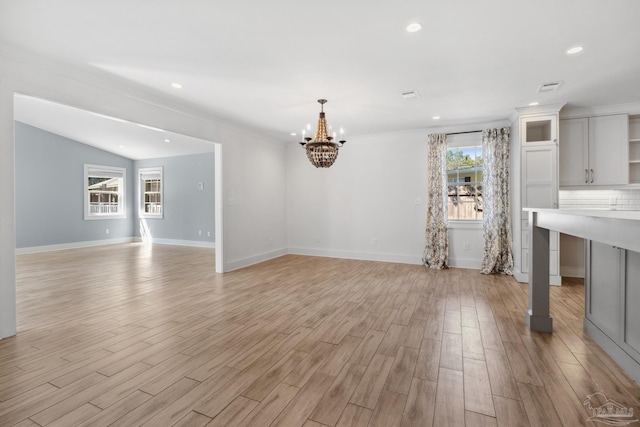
x=265 y=63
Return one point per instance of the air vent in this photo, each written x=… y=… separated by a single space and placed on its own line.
x=409 y=95
x=549 y=87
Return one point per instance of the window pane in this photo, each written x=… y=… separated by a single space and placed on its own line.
x=464 y=178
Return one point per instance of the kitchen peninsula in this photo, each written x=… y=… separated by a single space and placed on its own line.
x=612 y=279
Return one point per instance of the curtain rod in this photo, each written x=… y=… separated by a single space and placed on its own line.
x=460 y=133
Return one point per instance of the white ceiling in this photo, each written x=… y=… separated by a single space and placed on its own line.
x=118 y=136
x=265 y=63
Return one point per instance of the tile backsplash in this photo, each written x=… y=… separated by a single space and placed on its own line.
x=600 y=199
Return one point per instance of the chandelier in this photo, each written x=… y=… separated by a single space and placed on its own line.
x=322 y=151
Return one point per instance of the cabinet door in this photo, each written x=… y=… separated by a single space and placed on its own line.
x=536 y=130
x=603 y=288
x=573 y=151
x=539 y=176
x=609 y=150
x=632 y=303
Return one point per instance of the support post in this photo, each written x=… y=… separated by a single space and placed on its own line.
x=537 y=316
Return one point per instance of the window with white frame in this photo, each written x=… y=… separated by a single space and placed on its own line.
x=464 y=183
x=150 y=182
x=104 y=193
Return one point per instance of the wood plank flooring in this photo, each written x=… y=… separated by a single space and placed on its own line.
x=129 y=335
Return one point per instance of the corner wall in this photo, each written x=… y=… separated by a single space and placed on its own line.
x=50 y=191
x=187 y=209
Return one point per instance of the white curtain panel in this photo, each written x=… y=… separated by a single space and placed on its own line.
x=496 y=223
x=436 y=248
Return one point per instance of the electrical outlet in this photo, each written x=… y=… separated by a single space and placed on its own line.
x=199 y=232
x=106 y=231
x=467 y=246
x=208 y=234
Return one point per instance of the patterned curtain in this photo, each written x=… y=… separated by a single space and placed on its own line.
x=496 y=223
x=436 y=249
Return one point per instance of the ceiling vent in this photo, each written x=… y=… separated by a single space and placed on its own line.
x=549 y=87
x=409 y=95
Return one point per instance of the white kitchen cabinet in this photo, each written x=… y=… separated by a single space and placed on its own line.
x=634 y=149
x=603 y=286
x=539 y=180
x=594 y=151
x=612 y=297
x=574 y=152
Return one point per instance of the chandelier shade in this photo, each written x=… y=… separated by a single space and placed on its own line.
x=322 y=151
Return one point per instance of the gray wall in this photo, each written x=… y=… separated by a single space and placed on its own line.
x=187 y=210
x=50 y=190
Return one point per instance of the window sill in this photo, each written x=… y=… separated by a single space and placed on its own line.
x=95 y=217
x=465 y=224
x=147 y=216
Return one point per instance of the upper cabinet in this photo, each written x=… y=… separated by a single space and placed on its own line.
x=594 y=151
x=634 y=150
x=538 y=130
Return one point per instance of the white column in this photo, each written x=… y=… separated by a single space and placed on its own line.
x=7 y=215
x=537 y=316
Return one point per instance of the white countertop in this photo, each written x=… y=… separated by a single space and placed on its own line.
x=616 y=228
x=594 y=213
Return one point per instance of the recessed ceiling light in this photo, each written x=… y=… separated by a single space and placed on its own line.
x=167 y=140
x=292 y=134
x=574 y=50
x=122 y=146
x=413 y=27
x=176 y=85
x=436 y=117
x=533 y=104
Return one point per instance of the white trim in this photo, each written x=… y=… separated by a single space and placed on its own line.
x=468 y=263
x=122 y=196
x=601 y=110
x=74 y=245
x=524 y=278
x=246 y=262
x=156 y=171
x=177 y=242
x=362 y=256
x=572 y=271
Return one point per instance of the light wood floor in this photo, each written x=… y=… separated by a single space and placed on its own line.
x=123 y=335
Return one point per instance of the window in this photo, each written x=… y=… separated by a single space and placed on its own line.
x=150 y=190
x=104 y=195
x=464 y=183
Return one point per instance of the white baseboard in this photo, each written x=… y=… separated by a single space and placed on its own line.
x=570 y=271
x=246 y=262
x=74 y=245
x=470 y=263
x=177 y=242
x=524 y=278
x=361 y=256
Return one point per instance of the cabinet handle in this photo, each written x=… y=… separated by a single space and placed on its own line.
x=591 y=176
x=586 y=176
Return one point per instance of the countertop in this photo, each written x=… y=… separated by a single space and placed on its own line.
x=594 y=213
x=616 y=228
